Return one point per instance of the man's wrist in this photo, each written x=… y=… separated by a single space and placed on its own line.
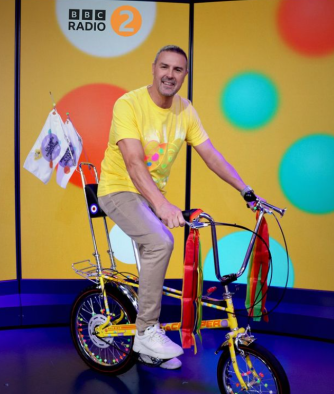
x=245 y=190
x=159 y=203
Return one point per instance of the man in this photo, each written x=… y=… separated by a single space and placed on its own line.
x=148 y=129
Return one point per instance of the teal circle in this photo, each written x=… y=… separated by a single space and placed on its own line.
x=306 y=174
x=249 y=100
x=232 y=249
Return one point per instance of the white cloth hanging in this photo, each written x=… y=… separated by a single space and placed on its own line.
x=48 y=149
x=69 y=161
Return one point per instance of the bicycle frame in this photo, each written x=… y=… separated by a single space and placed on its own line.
x=102 y=276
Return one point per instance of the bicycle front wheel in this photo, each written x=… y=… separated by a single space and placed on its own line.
x=267 y=375
x=112 y=355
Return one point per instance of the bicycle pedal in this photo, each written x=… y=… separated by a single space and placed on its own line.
x=148 y=360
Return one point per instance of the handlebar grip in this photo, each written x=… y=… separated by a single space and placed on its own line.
x=250 y=196
x=190 y=214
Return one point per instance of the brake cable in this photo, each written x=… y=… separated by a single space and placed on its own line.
x=256 y=302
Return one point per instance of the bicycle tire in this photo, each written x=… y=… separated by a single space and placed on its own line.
x=111 y=355
x=273 y=379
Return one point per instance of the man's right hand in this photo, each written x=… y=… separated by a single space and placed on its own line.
x=170 y=215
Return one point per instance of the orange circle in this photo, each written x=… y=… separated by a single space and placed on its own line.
x=90 y=108
x=126 y=21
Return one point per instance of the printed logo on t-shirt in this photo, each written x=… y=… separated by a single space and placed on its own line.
x=159 y=157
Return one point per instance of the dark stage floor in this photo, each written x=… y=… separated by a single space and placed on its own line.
x=44 y=361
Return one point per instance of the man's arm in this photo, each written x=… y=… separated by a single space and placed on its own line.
x=217 y=163
x=133 y=155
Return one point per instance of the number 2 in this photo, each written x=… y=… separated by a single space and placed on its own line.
x=123 y=27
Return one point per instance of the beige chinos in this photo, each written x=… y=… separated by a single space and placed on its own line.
x=132 y=213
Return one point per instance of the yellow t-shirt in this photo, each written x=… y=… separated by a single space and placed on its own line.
x=161 y=132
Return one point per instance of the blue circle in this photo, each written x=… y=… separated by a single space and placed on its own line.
x=249 y=100
x=232 y=249
x=122 y=246
x=306 y=174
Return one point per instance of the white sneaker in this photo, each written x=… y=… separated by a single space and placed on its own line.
x=173 y=363
x=155 y=343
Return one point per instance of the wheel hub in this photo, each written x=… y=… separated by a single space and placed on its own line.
x=95 y=321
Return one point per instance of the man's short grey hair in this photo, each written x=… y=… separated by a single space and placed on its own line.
x=171 y=48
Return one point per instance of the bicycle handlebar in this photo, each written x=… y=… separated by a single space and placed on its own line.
x=268 y=208
x=193 y=217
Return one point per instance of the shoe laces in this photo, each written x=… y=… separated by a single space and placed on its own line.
x=158 y=334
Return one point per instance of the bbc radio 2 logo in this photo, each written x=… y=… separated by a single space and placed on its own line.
x=125 y=20
x=83 y=20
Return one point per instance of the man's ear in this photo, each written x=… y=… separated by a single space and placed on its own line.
x=153 y=67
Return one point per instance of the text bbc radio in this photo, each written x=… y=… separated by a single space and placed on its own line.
x=87 y=20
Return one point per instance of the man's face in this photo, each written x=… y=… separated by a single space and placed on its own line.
x=169 y=72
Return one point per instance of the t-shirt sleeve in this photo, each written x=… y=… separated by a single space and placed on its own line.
x=196 y=133
x=124 y=123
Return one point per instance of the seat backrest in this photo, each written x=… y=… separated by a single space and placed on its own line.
x=95 y=211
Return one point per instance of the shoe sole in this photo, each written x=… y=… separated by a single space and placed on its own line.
x=163 y=356
x=171 y=364
x=170 y=367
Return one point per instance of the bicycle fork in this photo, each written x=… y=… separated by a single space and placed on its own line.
x=233 y=338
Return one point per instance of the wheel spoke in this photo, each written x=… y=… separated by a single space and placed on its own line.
x=108 y=352
x=261 y=372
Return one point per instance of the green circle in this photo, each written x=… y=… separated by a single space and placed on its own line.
x=306 y=174
x=249 y=100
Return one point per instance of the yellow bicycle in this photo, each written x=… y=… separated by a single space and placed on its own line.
x=103 y=315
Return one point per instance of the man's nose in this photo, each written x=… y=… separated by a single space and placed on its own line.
x=170 y=73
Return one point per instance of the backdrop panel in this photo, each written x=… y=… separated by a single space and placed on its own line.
x=264 y=89
x=7 y=225
x=87 y=60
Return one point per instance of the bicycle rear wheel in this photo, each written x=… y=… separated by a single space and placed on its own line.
x=112 y=355
x=271 y=378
